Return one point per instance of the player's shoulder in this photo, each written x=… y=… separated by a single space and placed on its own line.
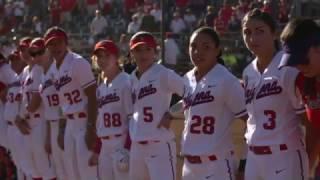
x=224 y=75
x=76 y=58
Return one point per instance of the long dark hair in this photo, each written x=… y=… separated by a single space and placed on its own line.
x=266 y=18
x=214 y=37
x=297 y=31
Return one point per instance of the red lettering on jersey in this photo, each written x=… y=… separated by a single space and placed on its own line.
x=46 y=84
x=146 y=91
x=269 y=89
x=249 y=95
x=28 y=82
x=199 y=98
x=63 y=81
x=110 y=98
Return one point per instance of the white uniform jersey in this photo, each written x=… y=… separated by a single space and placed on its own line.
x=13 y=102
x=151 y=99
x=31 y=79
x=73 y=76
x=114 y=106
x=6 y=74
x=211 y=105
x=49 y=95
x=272 y=104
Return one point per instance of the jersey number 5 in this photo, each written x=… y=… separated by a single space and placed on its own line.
x=147 y=113
x=206 y=125
x=271 y=124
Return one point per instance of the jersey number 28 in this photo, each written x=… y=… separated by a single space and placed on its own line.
x=203 y=125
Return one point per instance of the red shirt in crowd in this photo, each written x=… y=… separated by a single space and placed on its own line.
x=226 y=12
x=130 y=5
x=312 y=102
x=182 y=3
x=67 y=5
x=92 y=2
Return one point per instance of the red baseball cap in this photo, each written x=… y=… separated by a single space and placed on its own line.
x=55 y=33
x=143 y=38
x=37 y=43
x=108 y=46
x=24 y=42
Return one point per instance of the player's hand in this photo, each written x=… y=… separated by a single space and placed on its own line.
x=47 y=145
x=165 y=120
x=23 y=126
x=60 y=140
x=93 y=161
x=90 y=138
x=240 y=176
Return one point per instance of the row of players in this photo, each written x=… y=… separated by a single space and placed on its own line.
x=89 y=130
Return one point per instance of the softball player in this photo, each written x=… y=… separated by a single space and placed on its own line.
x=213 y=100
x=34 y=114
x=76 y=87
x=11 y=110
x=301 y=39
x=48 y=100
x=153 y=149
x=274 y=134
x=114 y=110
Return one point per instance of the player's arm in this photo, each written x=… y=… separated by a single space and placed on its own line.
x=62 y=128
x=34 y=103
x=174 y=84
x=88 y=84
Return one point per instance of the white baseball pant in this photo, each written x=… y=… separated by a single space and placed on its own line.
x=57 y=152
x=107 y=167
x=289 y=164
x=76 y=152
x=223 y=168
x=35 y=142
x=153 y=160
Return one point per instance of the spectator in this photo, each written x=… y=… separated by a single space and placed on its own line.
x=241 y=9
x=197 y=6
x=9 y=8
x=134 y=25
x=226 y=11
x=147 y=6
x=190 y=19
x=55 y=12
x=182 y=3
x=283 y=12
x=256 y=4
x=98 y=26
x=177 y=24
x=92 y=5
x=67 y=7
x=234 y=24
x=123 y=45
x=19 y=10
x=148 y=23
x=267 y=7
x=37 y=26
x=210 y=16
x=129 y=6
x=139 y=14
x=171 y=50
x=219 y=25
x=156 y=12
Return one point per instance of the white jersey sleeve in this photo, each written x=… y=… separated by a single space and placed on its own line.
x=235 y=99
x=36 y=76
x=127 y=99
x=175 y=83
x=6 y=74
x=84 y=73
x=289 y=81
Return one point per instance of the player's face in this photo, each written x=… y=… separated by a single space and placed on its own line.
x=17 y=65
x=105 y=60
x=313 y=68
x=143 y=55
x=25 y=56
x=57 y=48
x=203 y=50
x=39 y=56
x=258 y=37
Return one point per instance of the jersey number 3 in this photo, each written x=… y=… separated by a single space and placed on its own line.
x=271 y=124
x=206 y=125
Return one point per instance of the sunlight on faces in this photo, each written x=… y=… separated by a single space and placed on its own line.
x=57 y=48
x=203 y=50
x=258 y=37
x=106 y=60
x=311 y=69
x=143 y=55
